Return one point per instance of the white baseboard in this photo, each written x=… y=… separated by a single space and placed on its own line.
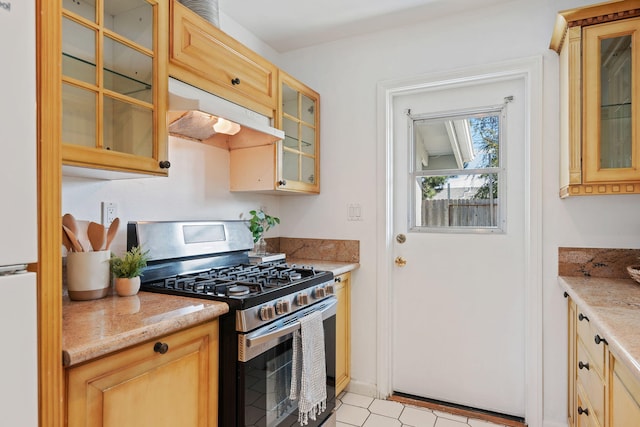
x=364 y=389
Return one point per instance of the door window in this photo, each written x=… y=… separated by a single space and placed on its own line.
x=457 y=175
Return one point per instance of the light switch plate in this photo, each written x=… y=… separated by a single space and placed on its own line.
x=354 y=212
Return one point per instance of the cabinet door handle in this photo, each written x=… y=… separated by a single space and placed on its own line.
x=583 y=411
x=235 y=81
x=583 y=365
x=164 y=164
x=161 y=347
x=598 y=339
x=582 y=317
x=282 y=182
x=566 y=295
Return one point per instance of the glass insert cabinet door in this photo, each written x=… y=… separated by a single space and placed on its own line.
x=610 y=91
x=110 y=71
x=299 y=150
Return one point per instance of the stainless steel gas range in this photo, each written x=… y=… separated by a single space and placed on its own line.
x=210 y=259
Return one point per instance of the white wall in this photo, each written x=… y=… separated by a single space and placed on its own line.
x=346 y=72
x=197 y=188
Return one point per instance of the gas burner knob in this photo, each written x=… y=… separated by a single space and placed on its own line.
x=319 y=293
x=330 y=289
x=302 y=299
x=282 y=307
x=267 y=312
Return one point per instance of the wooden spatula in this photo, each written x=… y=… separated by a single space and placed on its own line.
x=111 y=233
x=96 y=235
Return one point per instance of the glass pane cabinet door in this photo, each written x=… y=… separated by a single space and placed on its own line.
x=299 y=149
x=615 y=102
x=611 y=58
x=111 y=59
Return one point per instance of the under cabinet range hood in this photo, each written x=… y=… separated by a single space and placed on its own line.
x=201 y=116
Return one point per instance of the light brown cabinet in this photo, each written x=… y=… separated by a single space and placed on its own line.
x=298 y=154
x=590 y=373
x=292 y=164
x=170 y=381
x=600 y=131
x=625 y=401
x=343 y=331
x=602 y=392
x=206 y=57
x=587 y=379
x=572 y=361
x=114 y=86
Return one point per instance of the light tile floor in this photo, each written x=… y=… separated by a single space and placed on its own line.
x=363 y=411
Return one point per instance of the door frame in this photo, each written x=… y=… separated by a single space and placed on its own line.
x=530 y=70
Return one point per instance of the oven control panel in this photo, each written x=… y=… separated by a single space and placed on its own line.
x=253 y=317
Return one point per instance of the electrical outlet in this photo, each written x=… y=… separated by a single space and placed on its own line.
x=109 y=213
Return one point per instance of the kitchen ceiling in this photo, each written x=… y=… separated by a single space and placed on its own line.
x=292 y=24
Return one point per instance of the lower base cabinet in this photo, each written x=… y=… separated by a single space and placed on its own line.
x=170 y=381
x=602 y=391
x=343 y=331
x=625 y=397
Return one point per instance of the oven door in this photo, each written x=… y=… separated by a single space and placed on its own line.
x=265 y=369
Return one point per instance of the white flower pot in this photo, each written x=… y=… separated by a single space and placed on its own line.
x=126 y=287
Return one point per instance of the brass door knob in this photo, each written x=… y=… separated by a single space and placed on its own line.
x=400 y=262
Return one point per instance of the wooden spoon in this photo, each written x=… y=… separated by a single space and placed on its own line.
x=65 y=241
x=70 y=222
x=96 y=235
x=111 y=233
x=75 y=244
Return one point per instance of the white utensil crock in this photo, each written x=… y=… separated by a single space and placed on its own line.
x=88 y=275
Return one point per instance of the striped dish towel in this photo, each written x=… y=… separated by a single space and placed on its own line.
x=309 y=374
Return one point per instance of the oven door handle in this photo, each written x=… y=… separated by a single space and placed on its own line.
x=284 y=327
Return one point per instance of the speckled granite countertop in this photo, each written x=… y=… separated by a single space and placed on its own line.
x=95 y=328
x=91 y=329
x=336 y=267
x=613 y=306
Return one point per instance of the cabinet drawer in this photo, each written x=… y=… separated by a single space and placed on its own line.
x=220 y=64
x=587 y=334
x=586 y=418
x=592 y=384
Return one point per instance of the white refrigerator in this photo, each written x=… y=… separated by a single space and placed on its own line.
x=18 y=214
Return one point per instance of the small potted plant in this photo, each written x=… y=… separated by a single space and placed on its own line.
x=260 y=223
x=127 y=270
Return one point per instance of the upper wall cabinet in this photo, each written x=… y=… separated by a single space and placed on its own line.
x=299 y=118
x=206 y=57
x=292 y=165
x=599 y=50
x=114 y=85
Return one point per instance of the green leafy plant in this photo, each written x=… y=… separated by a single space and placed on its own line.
x=260 y=223
x=131 y=264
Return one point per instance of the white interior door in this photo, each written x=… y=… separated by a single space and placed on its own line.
x=458 y=304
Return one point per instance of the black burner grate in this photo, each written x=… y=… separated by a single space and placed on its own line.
x=234 y=281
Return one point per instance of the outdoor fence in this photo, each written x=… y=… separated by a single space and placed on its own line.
x=459 y=213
